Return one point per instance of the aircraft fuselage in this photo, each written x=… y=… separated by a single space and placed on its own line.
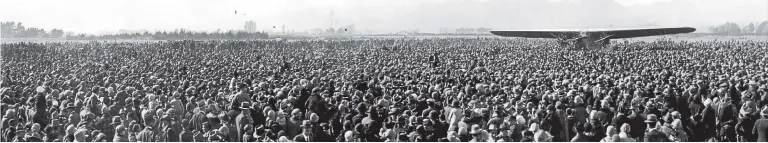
x=589 y=42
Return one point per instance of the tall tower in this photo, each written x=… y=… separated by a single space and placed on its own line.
x=331 y=19
x=250 y=26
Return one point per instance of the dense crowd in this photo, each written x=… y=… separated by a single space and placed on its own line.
x=384 y=90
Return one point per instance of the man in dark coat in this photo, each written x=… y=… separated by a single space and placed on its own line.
x=761 y=126
x=243 y=119
x=555 y=123
x=697 y=129
x=306 y=134
x=197 y=120
x=746 y=122
x=571 y=124
x=240 y=97
x=726 y=110
x=41 y=114
x=709 y=120
x=186 y=133
x=146 y=135
x=605 y=113
x=654 y=134
x=620 y=118
x=638 y=125
x=324 y=135
x=439 y=126
x=306 y=91
x=316 y=104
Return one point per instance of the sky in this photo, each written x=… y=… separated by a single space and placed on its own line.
x=377 y=16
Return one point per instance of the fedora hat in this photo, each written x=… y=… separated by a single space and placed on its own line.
x=70 y=105
x=259 y=131
x=652 y=118
x=116 y=120
x=245 y=106
x=306 y=124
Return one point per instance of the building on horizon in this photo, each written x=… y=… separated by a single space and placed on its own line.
x=250 y=26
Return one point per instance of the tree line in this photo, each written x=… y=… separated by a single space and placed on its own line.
x=174 y=35
x=734 y=29
x=18 y=30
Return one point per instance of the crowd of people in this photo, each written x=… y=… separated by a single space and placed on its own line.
x=384 y=90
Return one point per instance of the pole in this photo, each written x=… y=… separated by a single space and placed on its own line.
x=331 y=18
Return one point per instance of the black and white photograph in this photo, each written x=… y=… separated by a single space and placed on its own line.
x=384 y=70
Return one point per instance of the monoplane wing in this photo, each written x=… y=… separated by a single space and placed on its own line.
x=614 y=33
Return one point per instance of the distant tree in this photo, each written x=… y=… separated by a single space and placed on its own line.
x=19 y=29
x=341 y=31
x=762 y=28
x=483 y=30
x=7 y=29
x=749 y=29
x=330 y=31
x=727 y=29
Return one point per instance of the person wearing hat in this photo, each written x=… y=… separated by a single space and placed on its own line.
x=653 y=133
x=579 y=131
x=480 y=135
x=110 y=131
x=215 y=136
x=259 y=133
x=101 y=137
x=34 y=132
x=725 y=111
x=230 y=127
x=198 y=118
x=250 y=134
x=746 y=122
x=202 y=135
x=121 y=134
x=555 y=124
x=148 y=134
x=455 y=114
x=6 y=119
x=439 y=125
x=240 y=97
x=40 y=105
x=186 y=134
x=761 y=126
x=243 y=119
x=709 y=120
x=580 y=110
x=306 y=134
x=293 y=125
x=81 y=135
x=168 y=131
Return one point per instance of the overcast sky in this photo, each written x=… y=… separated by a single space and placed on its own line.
x=97 y=16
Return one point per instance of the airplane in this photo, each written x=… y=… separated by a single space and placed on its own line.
x=591 y=38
